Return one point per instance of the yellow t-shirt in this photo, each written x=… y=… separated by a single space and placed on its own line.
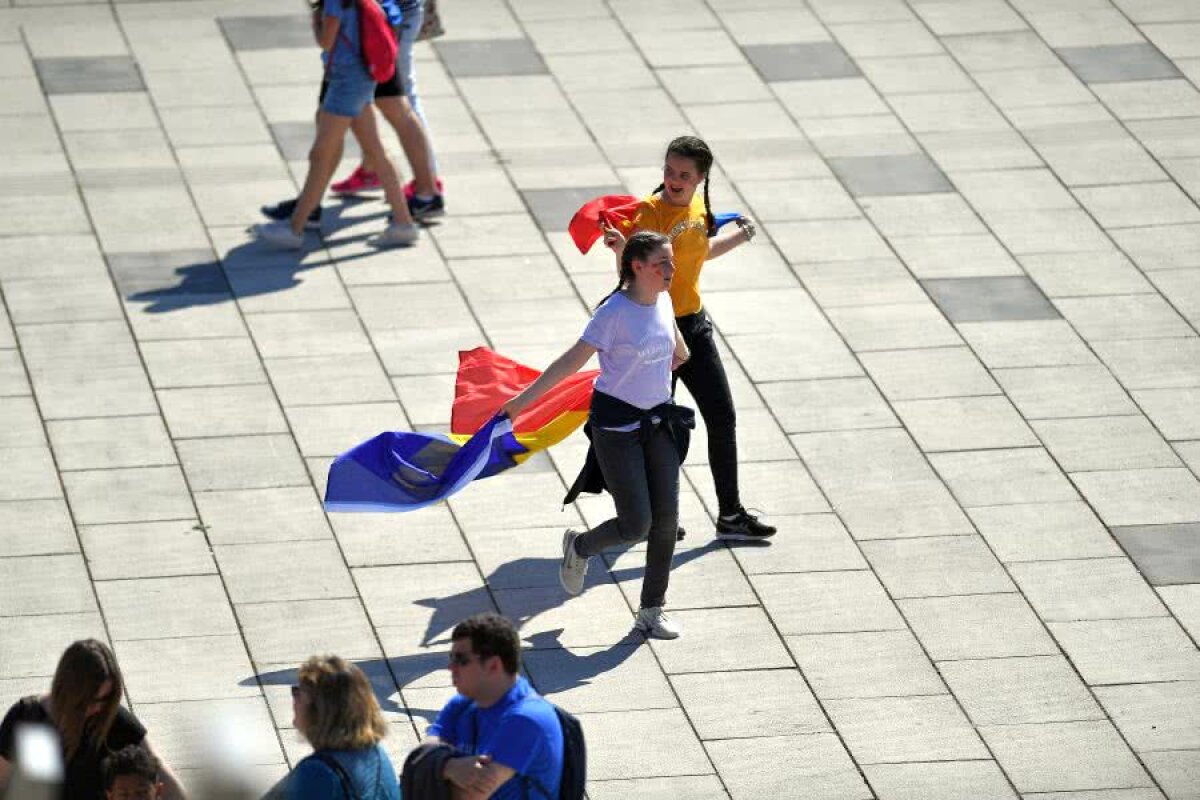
x=686 y=227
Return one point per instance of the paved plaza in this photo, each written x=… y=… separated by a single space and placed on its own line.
x=964 y=354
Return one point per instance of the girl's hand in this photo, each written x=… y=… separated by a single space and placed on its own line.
x=679 y=358
x=510 y=410
x=613 y=239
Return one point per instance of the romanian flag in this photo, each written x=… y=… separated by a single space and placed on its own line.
x=617 y=211
x=404 y=471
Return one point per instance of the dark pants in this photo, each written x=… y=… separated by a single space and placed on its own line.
x=643 y=479
x=704 y=376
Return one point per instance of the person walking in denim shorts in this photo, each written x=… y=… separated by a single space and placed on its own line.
x=349 y=91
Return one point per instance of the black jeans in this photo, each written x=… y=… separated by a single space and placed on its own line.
x=643 y=479
x=704 y=376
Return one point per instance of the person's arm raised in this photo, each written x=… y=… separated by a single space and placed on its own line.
x=722 y=243
x=614 y=240
x=563 y=367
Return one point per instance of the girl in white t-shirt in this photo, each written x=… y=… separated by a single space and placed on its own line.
x=634 y=424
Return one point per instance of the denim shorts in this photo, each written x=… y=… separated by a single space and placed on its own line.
x=349 y=92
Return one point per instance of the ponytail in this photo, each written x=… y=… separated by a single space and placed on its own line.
x=710 y=224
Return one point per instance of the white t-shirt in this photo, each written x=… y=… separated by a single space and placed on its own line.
x=635 y=343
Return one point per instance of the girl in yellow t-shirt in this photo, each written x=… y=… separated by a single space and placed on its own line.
x=675 y=210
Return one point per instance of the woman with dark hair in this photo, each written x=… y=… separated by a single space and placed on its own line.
x=634 y=424
x=336 y=711
x=84 y=707
x=674 y=209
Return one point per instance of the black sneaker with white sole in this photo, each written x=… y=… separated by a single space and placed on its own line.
x=423 y=208
x=284 y=210
x=743 y=527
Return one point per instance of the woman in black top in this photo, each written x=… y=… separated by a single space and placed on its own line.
x=84 y=707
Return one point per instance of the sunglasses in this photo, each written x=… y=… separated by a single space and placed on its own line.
x=295 y=692
x=461 y=659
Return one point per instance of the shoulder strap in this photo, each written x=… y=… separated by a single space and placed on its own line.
x=340 y=771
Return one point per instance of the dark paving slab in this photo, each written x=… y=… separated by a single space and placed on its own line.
x=88 y=75
x=1111 y=63
x=802 y=61
x=913 y=173
x=1165 y=554
x=267 y=33
x=476 y=59
x=553 y=208
x=183 y=271
x=994 y=299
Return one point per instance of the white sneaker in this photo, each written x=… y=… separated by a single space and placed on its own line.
x=656 y=624
x=573 y=569
x=280 y=234
x=399 y=235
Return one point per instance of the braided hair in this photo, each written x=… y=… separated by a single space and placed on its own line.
x=694 y=148
x=638 y=248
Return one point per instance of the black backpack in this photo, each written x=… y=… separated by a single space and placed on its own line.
x=574 y=769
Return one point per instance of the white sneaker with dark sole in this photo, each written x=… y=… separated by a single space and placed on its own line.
x=279 y=234
x=656 y=624
x=573 y=569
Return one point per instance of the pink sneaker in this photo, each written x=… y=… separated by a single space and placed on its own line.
x=359 y=181
x=410 y=189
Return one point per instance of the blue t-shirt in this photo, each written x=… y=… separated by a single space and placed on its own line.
x=520 y=731
x=347 y=48
x=369 y=769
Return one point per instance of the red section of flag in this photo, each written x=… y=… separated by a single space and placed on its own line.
x=612 y=208
x=487 y=380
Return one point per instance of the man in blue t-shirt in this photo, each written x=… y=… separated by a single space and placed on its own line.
x=512 y=734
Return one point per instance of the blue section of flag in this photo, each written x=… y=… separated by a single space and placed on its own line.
x=403 y=471
x=726 y=218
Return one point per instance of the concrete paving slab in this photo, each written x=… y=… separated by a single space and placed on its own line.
x=1118 y=62
x=1011 y=691
x=1033 y=756
x=827 y=602
x=930 y=781
x=895 y=729
x=775 y=700
x=1043 y=531
x=89 y=75
x=1165 y=554
x=815 y=764
x=1128 y=650
x=869 y=664
x=977 y=626
x=166 y=608
x=146 y=549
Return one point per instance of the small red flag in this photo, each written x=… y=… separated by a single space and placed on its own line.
x=611 y=208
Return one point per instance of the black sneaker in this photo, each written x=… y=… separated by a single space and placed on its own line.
x=426 y=209
x=680 y=534
x=744 y=527
x=285 y=210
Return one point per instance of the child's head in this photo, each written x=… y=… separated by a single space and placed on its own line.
x=646 y=259
x=132 y=774
x=685 y=167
